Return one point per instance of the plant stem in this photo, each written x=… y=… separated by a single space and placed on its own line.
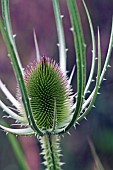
x=51 y=151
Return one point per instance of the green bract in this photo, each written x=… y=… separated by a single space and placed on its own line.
x=49 y=93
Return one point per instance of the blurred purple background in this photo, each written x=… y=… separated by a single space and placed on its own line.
x=38 y=14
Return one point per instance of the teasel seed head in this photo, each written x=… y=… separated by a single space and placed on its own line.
x=50 y=95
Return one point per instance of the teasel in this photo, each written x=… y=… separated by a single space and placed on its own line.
x=46 y=103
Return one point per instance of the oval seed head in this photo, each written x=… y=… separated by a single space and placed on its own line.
x=49 y=93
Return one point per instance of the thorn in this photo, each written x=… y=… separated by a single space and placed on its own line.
x=42 y=153
x=66 y=49
x=88 y=91
x=92 y=80
x=85 y=109
x=83 y=97
x=85 y=118
x=98 y=93
x=39 y=137
x=104 y=79
x=68 y=133
x=93 y=106
x=63 y=130
x=76 y=96
x=62 y=16
x=4 y=116
x=6 y=133
x=60 y=155
x=28 y=116
x=96 y=58
x=109 y=66
x=58 y=44
x=8 y=55
x=74 y=126
x=35 y=134
x=72 y=29
x=44 y=163
x=62 y=163
x=85 y=45
x=77 y=123
x=14 y=35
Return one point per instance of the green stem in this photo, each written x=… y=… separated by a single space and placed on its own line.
x=51 y=151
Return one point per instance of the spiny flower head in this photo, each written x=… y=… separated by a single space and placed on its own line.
x=49 y=93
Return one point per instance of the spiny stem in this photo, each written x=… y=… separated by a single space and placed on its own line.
x=51 y=151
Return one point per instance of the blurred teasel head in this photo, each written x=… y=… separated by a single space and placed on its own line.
x=46 y=102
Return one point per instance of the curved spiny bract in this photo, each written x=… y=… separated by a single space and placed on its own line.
x=49 y=93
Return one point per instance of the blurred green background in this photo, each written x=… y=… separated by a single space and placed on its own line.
x=38 y=14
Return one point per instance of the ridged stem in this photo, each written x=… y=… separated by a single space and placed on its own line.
x=51 y=151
